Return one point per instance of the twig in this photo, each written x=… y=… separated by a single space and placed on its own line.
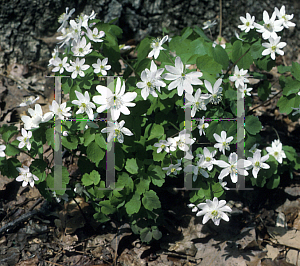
x=22 y=218
x=53 y=263
x=237 y=61
x=21 y=83
x=220 y=26
x=138 y=76
x=263 y=103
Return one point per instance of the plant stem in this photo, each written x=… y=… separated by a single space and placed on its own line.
x=237 y=61
x=169 y=57
x=220 y=26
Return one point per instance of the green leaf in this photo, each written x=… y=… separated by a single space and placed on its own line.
x=101 y=217
x=157 y=175
x=146 y=234
x=156 y=234
x=264 y=90
x=285 y=103
x=11 y=150
x=292 y=86
x=283 y=69
x=240 y=52
x=150 y=200
x=265 y=63
x=221 y=56
x=273 y=182
x=107 y=208
x=296 y=70
x=256 y=49
x=99 y=139
x=70 y=142
x=94 y=152
x=142 y=185
x=134 y=205
x=252 y=125
x=207 y=64
x=92 y=178
x=131 y=166
x=8 y=132
x=38 y=167
x=157 y=131
x=88 y=137
x=124 y=180
x=144 y=48
x=50 y=137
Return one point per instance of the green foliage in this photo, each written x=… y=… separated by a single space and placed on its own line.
x=135 y=195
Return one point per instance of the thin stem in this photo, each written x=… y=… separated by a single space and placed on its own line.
x=276 y=133
x=237 y=61
x=263 y=103
x=169 y=57
x=138 y=76
x=220 y=26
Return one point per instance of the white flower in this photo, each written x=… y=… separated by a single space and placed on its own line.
x=80 y=48
x=82 y=18
x=214 y=210
x=276 y=151
x=208 y=24
x=84 y=104
x=60 y=65
x=201 y=165
x=216 y=91
x=77 y=67
x=209 y=158
x=223 y=184
x=247 y=23
x=117 y=103
x=65 y=133
x=95 y=35
x=197 y=103
x=245 y=91
x=63 y=18
x=181 y=80
x=258 y=163
x=193 y=206
x=65 y=38
x=183 y=140
x=26 y=177
x=75 y=29
x=239 y=77
x=60 y=110
x=115 y=130
x=30 y=123
x=101 y=66
x=162 y=145
x=273 y=47
x=156 y=45
x=172 y=169
x=173 y=144
x=29 y=100
x=202 y=126
x=151 y=80
x=36 y=118
x=223 y=142
x=234 y=167
x=24 y=140
x=285 y=19
x=254 y=148
x=54 y=56
x=270 y=26
x=238 y=36
x=2 y=149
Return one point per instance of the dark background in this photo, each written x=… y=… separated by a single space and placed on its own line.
x=26 y=26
